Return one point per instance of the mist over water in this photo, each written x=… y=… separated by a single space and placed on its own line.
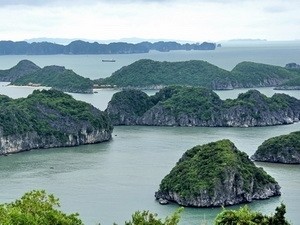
x=107 y=182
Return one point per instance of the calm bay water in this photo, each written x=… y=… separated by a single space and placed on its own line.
x=107 y=182
x=226 y=57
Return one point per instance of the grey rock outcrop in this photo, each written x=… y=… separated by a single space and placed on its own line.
x=229 y=193
x=48 y=119
x=32 y=140
x=287 y=155
x=280 y=149
x=248 y=110
x=292 y=66
x=227 y=177
x=285 y=87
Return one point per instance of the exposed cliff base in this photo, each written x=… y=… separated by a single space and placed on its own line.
x=187 y=106
x=280 y=149
x=47 y=119
x=216 y=174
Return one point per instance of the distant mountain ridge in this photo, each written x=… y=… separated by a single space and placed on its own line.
x=83 y=47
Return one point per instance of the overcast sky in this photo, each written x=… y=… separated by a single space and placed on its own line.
x=202 y=20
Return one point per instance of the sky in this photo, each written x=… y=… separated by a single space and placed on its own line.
x=190 y=20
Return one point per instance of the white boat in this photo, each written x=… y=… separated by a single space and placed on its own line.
x=163 y=201
x=108 y=60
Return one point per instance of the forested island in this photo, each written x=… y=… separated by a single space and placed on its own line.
x=26 y=73
x=82 y=47
x=216 y=174
x=47 y=119
x=280 y=149
x=149 y=74
x=195 y=106
x=293 y=84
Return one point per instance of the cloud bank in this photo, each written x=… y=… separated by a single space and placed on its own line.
x=193 y=20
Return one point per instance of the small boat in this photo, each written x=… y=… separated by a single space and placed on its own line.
x=163 y=201
x=108 y=60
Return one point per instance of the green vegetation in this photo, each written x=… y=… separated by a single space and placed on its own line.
x=199 y=102
x=244 y=216
x=36 y=208
x=147 y=73
x=58 y=78
x=254 y=74
x=132 y=101
x=203 y=168
x=24 y=67
x=201 y=105
x=148 y=218
x=176 y=98
x=291 y=83
x=285 y=145
x=48 y=113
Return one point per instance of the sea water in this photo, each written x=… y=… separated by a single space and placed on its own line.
x=107 y=182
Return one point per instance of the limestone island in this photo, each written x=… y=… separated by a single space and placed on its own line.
x=293 y=84
x=195 y=106
x=216 y=174
x=47 y=119
x=280 y=149
x=79 y=47
x=149 y=74
x=26 y=73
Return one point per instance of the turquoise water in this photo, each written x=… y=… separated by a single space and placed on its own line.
x=107 y=182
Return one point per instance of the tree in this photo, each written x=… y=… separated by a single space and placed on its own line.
x=244 y=216
x=148 y=218
x=36 y=208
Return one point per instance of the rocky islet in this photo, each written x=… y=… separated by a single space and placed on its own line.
x=216 y=174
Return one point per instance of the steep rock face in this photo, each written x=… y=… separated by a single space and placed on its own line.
x=216 y=174
x=287 y=87
x=32 y=140
x=280 y=149
x=292 y=66
x=23 y=68
x=126 y=107
x=184 y=106
x=48 y=119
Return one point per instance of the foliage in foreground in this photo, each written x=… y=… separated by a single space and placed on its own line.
x=148 y=218
x=244 y=216
x=37 y=207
